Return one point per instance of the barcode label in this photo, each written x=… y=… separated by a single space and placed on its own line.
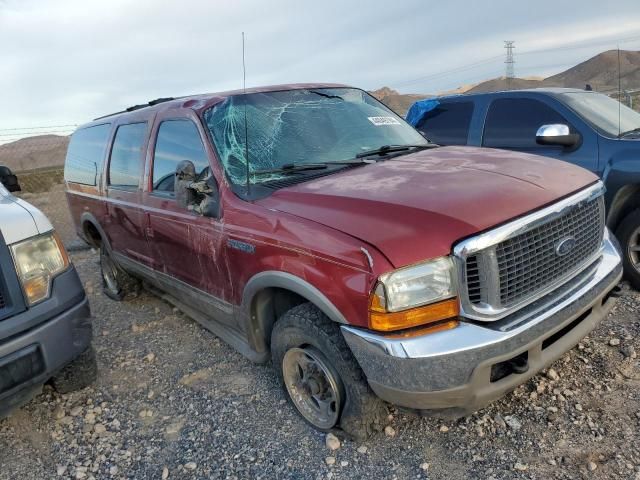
x=378 y=121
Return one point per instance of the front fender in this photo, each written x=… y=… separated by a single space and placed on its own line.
x=621 y=177
x=287 y=281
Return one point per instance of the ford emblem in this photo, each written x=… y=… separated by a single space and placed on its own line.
x=565 y=245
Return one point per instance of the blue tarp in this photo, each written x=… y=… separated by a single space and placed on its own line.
x=418 y=110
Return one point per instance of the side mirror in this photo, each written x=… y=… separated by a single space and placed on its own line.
x=185 y=176
x=200 y=195
x=210 y=204
x=557 y=134
x=9 y=180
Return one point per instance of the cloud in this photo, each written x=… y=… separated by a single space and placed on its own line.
x=71 y=60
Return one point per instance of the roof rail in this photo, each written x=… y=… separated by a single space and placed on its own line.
x=138 y=107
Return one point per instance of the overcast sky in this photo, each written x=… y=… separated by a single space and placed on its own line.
x=67 y=61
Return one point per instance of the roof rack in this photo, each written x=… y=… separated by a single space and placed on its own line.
x=138 y=107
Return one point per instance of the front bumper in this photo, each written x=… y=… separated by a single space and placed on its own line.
x=32 y=356
x=454 y=371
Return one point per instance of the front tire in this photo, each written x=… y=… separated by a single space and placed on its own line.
x=321 y=377
x=628 y=234
x=80 y=373
x=116 y=283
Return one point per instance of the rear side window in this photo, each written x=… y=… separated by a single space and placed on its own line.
x=448 y=123
x=125 y=165
x=85 y=154
x=513 y=122
x=178 y=140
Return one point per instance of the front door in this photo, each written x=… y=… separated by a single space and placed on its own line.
x=512 y=123
x=187 y=248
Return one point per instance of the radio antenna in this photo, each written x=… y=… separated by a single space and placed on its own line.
x=619 y=96
x=246 y=135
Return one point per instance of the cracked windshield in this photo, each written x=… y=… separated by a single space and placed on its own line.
x=301 y=127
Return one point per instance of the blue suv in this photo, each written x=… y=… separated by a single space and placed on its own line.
x=581 y=127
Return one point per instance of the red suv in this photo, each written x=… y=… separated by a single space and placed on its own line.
x=310 y=225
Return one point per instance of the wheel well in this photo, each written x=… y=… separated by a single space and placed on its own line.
x=626 y=200
x=91 y=234
x=267 y=307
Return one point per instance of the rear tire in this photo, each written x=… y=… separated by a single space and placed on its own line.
x=116 y=283
x=305 y=336
x=628 y=234
x=80 y=373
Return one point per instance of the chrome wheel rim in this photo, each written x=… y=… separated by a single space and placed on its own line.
x=312 y=386
x=633 y=248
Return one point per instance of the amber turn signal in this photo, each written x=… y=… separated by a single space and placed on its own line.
x=389 y=321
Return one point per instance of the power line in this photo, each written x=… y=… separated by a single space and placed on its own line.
x=447 y=72
x=48 y=127
x=47 y=132
x=569 y=46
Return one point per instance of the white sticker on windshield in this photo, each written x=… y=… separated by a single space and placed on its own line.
x=378 y=121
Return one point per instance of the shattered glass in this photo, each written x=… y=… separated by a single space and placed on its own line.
x=301 y=126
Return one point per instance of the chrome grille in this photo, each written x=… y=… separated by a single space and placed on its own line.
x=525 y=259
x=473 y=280
x=529 y=262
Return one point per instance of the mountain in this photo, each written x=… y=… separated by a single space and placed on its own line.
x=396 y=101
x=31 y=153
x=501 y=83
x=600 y=71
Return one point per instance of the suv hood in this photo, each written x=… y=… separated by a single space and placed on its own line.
x=417 y=206
x=20 y=220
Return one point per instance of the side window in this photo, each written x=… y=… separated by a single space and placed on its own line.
x=125 y=165
x=448 y=123
x=513 y=122
x=178 y=140
x=85 y=154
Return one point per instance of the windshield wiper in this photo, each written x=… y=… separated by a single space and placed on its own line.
x=633 y=130
x=384 y=149
x=301 y=167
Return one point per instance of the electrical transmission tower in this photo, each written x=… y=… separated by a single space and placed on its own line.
x=509 y=62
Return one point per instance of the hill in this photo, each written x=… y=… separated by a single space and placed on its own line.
x=396 y=101
x=32 y=153
x=600 y=71
x=501 y=83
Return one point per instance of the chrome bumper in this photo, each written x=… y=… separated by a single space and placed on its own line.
x=451 y=370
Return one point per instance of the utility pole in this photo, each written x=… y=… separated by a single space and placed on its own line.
x=509 y=62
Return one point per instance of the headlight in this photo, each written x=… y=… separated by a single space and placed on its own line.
x=37 y=261
x=414 y=295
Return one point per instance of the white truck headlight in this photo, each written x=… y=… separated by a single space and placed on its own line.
x=413 y=296
x=419 y=284
x=38 y=260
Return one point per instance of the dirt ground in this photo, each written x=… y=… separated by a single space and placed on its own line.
x=173 y=401
x=54 y=205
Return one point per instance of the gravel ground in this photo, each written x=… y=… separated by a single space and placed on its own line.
x=173 y=401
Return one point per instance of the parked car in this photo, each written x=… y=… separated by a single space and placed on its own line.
x=45 y=321
x=310 y=225
x=582 y=127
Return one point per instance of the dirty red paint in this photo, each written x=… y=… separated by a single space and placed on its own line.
x=402 y=211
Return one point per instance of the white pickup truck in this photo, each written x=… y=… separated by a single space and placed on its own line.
x=45 y=320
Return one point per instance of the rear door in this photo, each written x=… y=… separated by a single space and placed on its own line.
x=448 y=123
x=124 y=223
x=512 y=122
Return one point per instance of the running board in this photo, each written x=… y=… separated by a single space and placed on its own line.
x=226 y=334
